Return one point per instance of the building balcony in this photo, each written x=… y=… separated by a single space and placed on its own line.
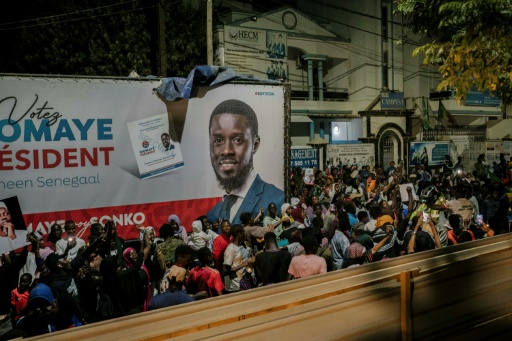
x=329 y=94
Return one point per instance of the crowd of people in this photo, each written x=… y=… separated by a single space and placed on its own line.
x=348 y=216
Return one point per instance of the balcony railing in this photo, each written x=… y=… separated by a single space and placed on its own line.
x=330 y=94
x=477 y=131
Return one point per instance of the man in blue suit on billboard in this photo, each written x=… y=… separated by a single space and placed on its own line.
x=234 y=140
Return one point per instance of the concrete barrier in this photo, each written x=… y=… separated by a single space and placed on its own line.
x=420 y=296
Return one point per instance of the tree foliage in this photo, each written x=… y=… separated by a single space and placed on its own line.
x=100 y=37
x=470 y=40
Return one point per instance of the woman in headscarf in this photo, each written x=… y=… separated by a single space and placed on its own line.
x=125 y=287
x=180 y=230
x=150 y=230
x=298 y=214
x=130 y=257
x=198 y=238
x=286 y=211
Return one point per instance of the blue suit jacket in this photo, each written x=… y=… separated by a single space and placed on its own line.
x=259 y=195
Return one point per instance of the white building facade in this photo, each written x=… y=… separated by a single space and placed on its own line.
x=353 y=77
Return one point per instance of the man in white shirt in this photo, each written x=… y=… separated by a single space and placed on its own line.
x=71 y=243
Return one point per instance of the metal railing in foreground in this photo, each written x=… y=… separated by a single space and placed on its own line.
x=420 y=296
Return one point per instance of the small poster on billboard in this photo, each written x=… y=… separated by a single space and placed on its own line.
x=155 y=151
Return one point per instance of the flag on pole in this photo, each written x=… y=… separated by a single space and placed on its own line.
x=442 y=113
x=424 y=114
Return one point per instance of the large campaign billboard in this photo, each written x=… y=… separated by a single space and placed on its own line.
x=91 y=150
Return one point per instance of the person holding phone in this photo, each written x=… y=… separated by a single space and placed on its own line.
x=420 y=240
x=71 y=243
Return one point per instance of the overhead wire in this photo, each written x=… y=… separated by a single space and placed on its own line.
x=372 y=56
x=68 y=13
x=80 y=18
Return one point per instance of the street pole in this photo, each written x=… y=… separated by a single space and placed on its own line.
x=161 y=40
x=209 y=33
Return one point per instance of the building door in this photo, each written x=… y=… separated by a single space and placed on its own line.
x=389 y=147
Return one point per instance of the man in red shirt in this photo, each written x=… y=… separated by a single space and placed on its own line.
x=220 y=244
x=19 y=297
x=204 y=278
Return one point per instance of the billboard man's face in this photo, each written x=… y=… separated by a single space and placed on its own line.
x=166 y=140
x=231 y=149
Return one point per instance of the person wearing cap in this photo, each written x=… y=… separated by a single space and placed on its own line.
x=40 y=312
x=10 y=238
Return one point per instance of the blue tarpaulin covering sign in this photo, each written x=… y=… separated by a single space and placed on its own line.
x=304 y=157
